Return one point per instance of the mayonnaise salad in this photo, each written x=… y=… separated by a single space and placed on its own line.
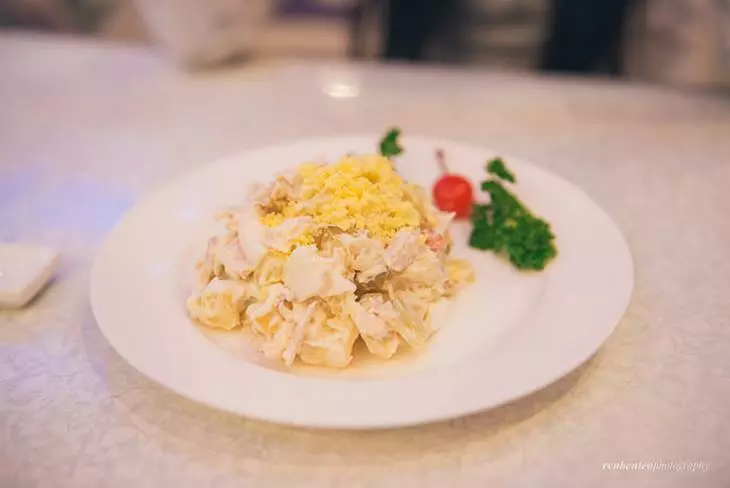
x=325 y=255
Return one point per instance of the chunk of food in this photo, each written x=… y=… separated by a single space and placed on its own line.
x=218 y=304
x=307 y=274
x=402 y=250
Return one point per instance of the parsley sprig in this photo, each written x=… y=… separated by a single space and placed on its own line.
x=497 y=168
x=505 y=225
x=389 y=146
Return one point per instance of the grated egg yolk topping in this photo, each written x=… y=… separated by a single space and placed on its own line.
x=356 y=193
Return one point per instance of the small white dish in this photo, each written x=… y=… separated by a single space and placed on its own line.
x=506 y=336
x=24 y=269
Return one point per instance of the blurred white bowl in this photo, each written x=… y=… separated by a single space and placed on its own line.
x=204 y=33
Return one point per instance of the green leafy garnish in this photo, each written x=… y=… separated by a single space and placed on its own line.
x=497 y=168
x=505 y=225
x=389 y=146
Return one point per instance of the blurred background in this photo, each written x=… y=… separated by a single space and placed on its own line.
x=676 y=42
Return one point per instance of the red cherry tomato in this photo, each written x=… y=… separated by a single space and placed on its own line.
x=453 y=193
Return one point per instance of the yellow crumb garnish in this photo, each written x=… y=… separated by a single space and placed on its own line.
x=272 y=219
x=356 y=193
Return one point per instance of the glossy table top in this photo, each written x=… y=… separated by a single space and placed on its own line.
x=86 y=129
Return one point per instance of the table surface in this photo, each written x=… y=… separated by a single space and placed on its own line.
x=86 y=129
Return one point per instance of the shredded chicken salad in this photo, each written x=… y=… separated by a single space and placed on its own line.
x=328 y=254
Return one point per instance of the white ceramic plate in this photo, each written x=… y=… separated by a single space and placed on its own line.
x=508 y=335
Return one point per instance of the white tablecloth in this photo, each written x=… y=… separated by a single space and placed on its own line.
x=86 y=129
